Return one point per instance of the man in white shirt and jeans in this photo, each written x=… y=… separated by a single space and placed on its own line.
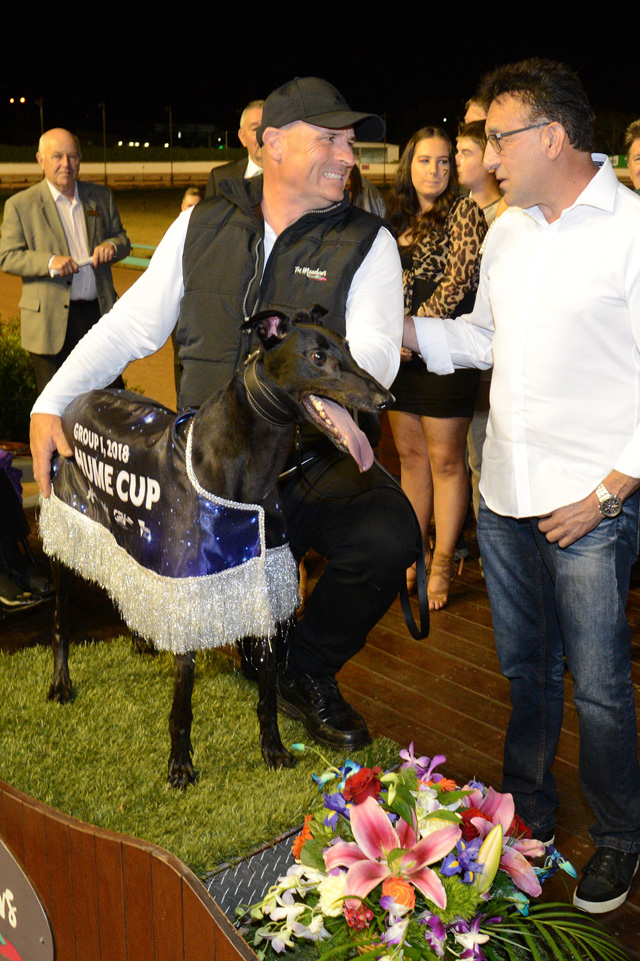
x=558 y=313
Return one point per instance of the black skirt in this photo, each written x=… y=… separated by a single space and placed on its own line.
x=418 y=391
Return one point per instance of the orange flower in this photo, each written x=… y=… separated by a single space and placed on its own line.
x=304 y=836
x=400 y=890
x=445 y=784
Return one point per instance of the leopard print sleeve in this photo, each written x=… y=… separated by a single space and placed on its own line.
x=459 y=265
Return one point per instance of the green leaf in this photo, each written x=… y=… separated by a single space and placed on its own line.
x=311 y=855
x=530 y=942
x=443 y=815
x=450 y=797
x=559 y=944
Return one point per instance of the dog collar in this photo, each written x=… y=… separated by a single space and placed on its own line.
x=262 y=398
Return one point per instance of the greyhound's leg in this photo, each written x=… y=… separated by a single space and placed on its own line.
x=140 y=645
x=181 y=771
x=61 y=688
x=265 y=658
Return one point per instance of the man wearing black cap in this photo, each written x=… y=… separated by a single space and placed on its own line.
x=284 y=241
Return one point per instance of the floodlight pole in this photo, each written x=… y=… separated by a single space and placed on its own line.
x=104 y=138
x=170 y=109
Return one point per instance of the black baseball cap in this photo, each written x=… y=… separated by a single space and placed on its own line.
x=317 y=101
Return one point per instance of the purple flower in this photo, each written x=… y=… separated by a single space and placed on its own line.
x=463 y=861
x=468 y=935
x=337 y=804
x=435 y=935
x=476 y=785
x=423 y=766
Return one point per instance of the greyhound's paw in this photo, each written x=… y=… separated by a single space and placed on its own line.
x=181 y=774
x=60 y=690
x=277 y=757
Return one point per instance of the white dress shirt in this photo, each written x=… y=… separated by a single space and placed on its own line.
x=72 y=218
x=558 y=314
x=143 y=318
x=253 y=170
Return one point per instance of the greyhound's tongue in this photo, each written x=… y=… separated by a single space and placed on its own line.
x=357 y=442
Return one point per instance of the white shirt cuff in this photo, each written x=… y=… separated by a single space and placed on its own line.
x=433 y=344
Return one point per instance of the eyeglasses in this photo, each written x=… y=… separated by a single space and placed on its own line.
x=495 y=138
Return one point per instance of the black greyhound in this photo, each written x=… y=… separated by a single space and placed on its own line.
x=240 y=440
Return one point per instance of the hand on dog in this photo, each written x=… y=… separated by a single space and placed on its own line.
x=46 y=436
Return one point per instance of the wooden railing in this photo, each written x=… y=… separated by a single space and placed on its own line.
x=110 y=897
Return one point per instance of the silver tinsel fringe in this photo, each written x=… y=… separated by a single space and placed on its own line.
x=176 y=614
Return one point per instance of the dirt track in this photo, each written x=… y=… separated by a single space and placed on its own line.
x=153 y=375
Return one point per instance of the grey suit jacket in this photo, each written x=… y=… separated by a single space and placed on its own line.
x=235 y=168
x=31 y=233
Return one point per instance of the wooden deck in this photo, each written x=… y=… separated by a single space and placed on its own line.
x=445 y=693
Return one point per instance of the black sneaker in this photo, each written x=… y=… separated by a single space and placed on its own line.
x=318 y=703
x=605 y=881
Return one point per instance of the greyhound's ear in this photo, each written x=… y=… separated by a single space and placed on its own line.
x=311 y=316
x=317 y=311
x=271 y=326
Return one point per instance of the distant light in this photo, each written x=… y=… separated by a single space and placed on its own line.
x=146 y=144
x=23 y=100
x=131 y=143
x=179 y=134
x=119 y=143
x=166 y=145
x=12 y=99
x=444 y=119
x=137 y=143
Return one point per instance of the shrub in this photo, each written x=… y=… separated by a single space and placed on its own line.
x=18 y=383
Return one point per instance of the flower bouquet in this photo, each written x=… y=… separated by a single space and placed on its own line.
x=405 y=864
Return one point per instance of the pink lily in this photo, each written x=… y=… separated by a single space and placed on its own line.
x=367 y=859
x=501 y=809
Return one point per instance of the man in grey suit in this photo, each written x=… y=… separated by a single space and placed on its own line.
x=49 y=231
x=250 y=120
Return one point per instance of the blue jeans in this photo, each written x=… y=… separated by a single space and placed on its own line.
x=546 y=601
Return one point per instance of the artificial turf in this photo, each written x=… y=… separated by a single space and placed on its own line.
x=103 y=757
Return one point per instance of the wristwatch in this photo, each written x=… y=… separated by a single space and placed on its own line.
x=610 y=505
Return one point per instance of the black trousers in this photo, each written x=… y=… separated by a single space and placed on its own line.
x=366 y=528
x=83 y=314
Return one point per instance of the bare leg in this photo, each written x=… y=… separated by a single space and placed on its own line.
x=61 y=688
x=446 y=439
x=415 y=471
x=181 y=771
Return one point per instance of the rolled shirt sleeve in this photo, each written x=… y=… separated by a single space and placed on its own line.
x=375 y=312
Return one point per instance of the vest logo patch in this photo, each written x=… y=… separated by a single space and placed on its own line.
x=311 y=273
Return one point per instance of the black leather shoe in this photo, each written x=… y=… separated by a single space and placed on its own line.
x=318 y=703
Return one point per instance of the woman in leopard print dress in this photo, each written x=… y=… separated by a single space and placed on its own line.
x=439 y=236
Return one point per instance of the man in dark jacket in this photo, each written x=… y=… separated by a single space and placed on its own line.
x=251 y=166
x=286 y=243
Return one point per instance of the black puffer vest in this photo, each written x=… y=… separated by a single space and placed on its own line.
x=312 y=262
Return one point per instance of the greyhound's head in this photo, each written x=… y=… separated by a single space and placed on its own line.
x=312 y=374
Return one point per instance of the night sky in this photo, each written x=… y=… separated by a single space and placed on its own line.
x=417 y=64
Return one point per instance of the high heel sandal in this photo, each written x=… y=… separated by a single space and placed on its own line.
x=412 y=574
x=444 y=566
